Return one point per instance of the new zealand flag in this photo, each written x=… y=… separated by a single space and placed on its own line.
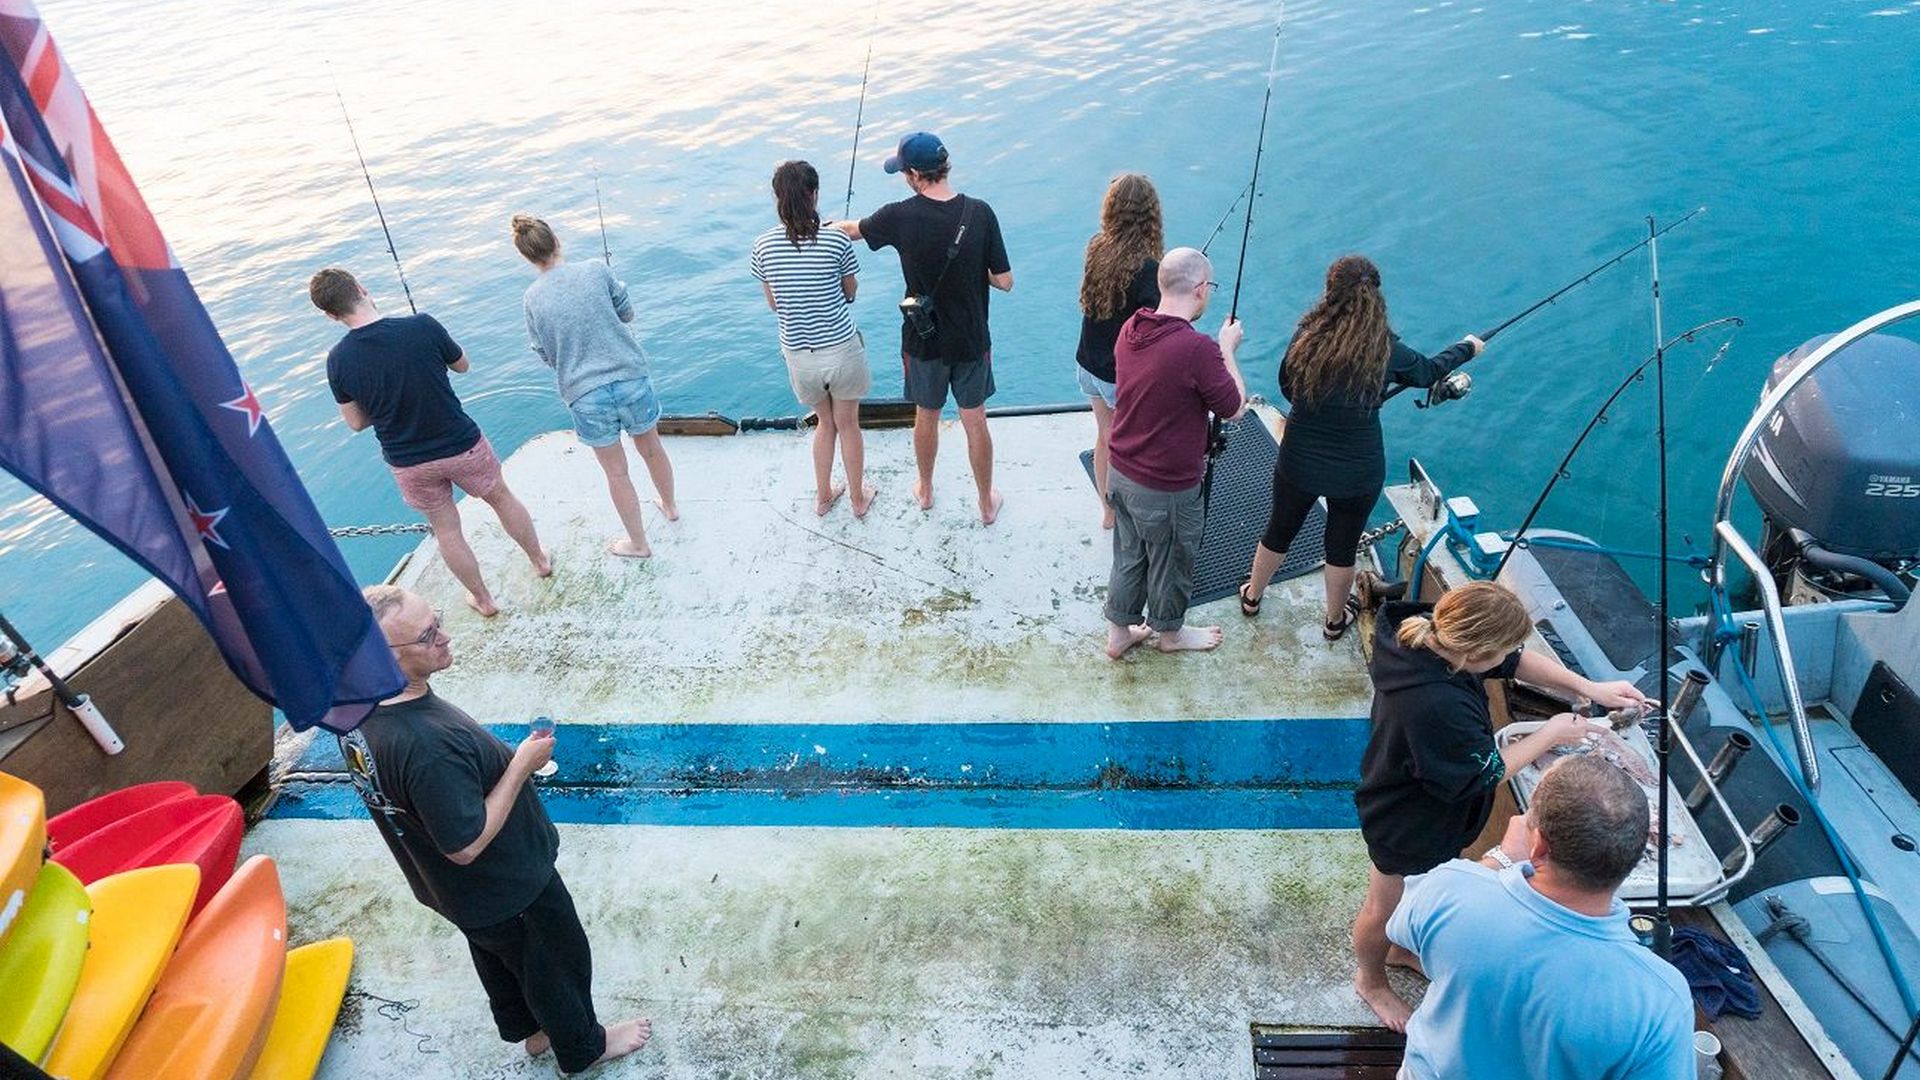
x=120 y=403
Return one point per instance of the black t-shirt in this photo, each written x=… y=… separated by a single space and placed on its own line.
x=423 y=767
x=395 y=369
x=1334 y=448
x=1431 y=768
x=921 y=230
x=1098 y=336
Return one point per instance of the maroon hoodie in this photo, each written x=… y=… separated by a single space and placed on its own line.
x=1169 y=377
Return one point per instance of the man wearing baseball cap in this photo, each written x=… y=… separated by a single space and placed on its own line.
x=950 y=251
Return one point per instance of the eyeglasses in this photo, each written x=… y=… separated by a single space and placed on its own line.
x=427 y=637
x=1209 y=285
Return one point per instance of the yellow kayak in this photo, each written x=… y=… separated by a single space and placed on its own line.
x=137 y=919
x=40 y=963
x=310 y=993
x=23 y=843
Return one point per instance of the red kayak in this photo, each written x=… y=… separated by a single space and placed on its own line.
x=203 y=830
x=96 y=814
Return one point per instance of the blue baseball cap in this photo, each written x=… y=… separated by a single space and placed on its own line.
x=921 y=151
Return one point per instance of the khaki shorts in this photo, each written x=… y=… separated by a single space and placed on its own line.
x=840 y=370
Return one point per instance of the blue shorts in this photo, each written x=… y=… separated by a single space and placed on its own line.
x=1094 y=386
x=600 y=414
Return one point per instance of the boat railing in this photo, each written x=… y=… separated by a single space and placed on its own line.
x=1730 y=538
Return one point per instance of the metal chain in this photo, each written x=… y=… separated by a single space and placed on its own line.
x=1374 y=536
x=396 y=529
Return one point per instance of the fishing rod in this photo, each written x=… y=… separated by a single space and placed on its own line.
x=1259 y=147
x=381 y=214
x=605 y=251
x=1488 y=335
x=860 y=116
x=1222 y=223
x=1600 y=417
x=1216 y=426
x=1662 y=921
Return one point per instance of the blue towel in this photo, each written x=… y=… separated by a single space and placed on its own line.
x=1717 y=973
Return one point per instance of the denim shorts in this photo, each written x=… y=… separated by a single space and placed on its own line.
x=1094 y=386
x=600 y=414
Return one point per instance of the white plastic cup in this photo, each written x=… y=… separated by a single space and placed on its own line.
x=543 y=725
x=1706 y=1055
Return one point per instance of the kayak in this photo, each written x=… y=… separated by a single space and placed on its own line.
x=23 y=842
x=204 y=830
x=137 y=919
x=310 y=993
x=209 y=1014
x=40 y=963
x=95 y=814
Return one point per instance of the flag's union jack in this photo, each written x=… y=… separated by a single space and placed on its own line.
x=120 y=403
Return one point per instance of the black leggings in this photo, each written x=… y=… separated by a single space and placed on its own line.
x=1346 y=519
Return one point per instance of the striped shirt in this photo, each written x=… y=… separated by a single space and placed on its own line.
x=805 y=280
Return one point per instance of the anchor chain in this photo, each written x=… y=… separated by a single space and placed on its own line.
x=396 y=529
x=1374 y=536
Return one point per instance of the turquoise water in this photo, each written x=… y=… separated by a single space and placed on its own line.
x=1481 y=153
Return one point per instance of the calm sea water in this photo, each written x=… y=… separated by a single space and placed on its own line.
x=1481 y=152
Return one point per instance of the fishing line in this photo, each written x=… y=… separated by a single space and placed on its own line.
x=860 y=116
x=1222 y=223
x=1488 y=335
x=381 y=214
x=605 y=251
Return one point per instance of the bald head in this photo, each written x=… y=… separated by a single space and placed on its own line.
x=1183 y=271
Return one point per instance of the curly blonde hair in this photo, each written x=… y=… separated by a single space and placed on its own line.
x=1130 y=234
x=1475 y=621
x=1342 y=345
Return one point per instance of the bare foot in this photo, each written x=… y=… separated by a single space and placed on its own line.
x=923 y=493
x=1122 y=638
x=1401 y=958
x=538 y=1043
x=627 y=549
x=990 y=507
x=484 y=605
x=1190 y=639
x=824 y=503
x=1387 y=1005
x=543 y=566
x=624 y=1038
x=672 y=510
x=864 y=501
x=1106 y=519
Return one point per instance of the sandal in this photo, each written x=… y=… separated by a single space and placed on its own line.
x=1335 y=631
x=1249 y=606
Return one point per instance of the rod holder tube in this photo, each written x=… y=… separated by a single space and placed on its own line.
x=85 y=711
x=1765 y=834
x=1749 y=643
x=1721 y=767
x=1687 y=697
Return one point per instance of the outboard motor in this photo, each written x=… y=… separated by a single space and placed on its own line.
x=1837 y=474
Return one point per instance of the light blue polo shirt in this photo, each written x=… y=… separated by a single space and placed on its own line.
x=1522 y=987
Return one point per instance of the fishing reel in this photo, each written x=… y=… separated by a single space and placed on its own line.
x=1456 y=385
x=1216 y=437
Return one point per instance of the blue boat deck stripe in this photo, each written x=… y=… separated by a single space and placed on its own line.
x=1163 y=774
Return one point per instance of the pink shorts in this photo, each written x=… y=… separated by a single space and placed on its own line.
x=429 y=485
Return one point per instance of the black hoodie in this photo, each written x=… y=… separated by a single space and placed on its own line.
x=1428 y=776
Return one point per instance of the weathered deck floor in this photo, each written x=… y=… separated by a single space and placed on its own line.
x=861 y=952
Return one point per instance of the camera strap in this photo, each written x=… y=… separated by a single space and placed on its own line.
x=953 y=249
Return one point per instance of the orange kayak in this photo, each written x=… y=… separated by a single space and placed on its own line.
x=23 y=841
x=210 y=1013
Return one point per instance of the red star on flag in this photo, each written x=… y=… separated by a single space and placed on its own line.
x=250 y=405
x=219 y=589
x=206 y=523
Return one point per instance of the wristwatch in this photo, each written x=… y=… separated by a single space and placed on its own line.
x=1500 y=856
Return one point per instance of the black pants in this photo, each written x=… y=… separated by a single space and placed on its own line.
x=538 y=973
x=1346 y=519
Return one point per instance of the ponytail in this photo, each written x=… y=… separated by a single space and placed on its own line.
x=1477 y=620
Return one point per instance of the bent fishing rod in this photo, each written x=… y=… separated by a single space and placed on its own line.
x=860 y=116
x=1488 y=335
x=1599 y=417
x=378 y=212
x=606 y=252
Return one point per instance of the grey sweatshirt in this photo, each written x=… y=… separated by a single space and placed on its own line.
x=576 y=316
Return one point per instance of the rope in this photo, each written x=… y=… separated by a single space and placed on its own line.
x=397 y=1011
